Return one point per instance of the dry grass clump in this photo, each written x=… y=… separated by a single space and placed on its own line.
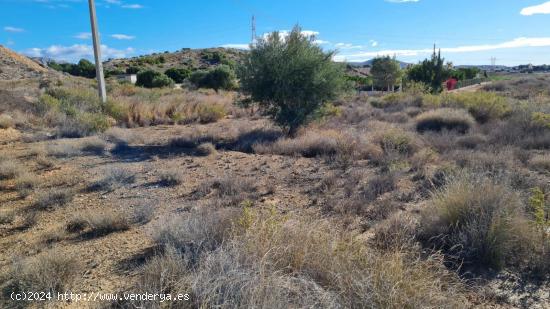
x=63 y=150
x=51 y=271
x=445 y=119
x=6 y=217
x=98 y=223
x=379 y=185
x=280 y=263
x=312 y=143
x=53 y=198
x=170 y=178
x=228 y=190
x=395 y=233
x=341 y=147
x=115 y=177
x=25 y=183
x=540 y=163
x=94 y=145
x=475 y=221
x=9 y=169
x=196 y=233
x=6 y=122
x=146 y=107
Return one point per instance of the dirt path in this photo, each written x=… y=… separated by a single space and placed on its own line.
x=472 y=88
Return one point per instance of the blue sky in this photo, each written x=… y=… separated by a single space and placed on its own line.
x=468 y=31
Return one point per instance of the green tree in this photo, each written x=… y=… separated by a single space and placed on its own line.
x=161 y=81
x=292 y=77
x=431 y=72
x=386 y=72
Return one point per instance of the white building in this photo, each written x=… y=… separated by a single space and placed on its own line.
x=131 y=78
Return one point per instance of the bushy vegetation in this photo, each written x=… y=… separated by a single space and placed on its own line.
x=153 y=79
x=291 y=78
x=221 y=77
x=178 y=75
x=83 y=68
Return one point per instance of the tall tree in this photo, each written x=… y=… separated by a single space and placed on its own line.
x=431 y=72
x=291 y=77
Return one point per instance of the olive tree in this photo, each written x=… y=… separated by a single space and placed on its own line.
x=291 y=77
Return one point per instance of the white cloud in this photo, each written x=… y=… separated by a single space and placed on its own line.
x=132 y=6
x=123 y=37
x=543 y=8
x=13 y=29
x=284 y=33
x=321 y=42
x=516 y=43
x=373 y=43
x=83 y=36
x=77 y=51
x=237 y=46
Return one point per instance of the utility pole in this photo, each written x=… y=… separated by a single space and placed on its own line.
x=97 y=53
x=253 y=30
x=493 y=63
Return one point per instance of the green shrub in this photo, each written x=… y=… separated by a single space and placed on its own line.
x=178 y=75
x=152 y=79
x=162 y=81
x=484 y=106
x=445 y=119
x=210 y=113
x=221 y=77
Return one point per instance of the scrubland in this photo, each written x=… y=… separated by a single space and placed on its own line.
x=407 y=200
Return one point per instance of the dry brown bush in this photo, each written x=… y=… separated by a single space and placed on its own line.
x=478 y=222
x=445 y=119
x=98 y=223
x=6 y=121
x=10 y=169
x=53 y=198
x=540 y=163
x=51 y=271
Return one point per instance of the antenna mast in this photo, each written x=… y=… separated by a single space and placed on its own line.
x=253 y=30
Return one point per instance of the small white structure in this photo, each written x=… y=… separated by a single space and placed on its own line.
x=130 y=78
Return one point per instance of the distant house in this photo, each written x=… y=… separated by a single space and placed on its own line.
x=130 y=78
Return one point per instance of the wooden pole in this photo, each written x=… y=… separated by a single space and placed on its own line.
x=97 y=54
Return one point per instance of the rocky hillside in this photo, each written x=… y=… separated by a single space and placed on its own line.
x=14 y=66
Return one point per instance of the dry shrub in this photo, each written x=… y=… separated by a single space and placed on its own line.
x=472 y=141
x=115 y=178
x=395 y=233
x=308 y=263
x=170 y=178
x=6 y=217
x=228 y=190
x=95 y=146
x=201 y=231
x=143 y=214
x=25 y=183
x=445 y=119
x=340 y=147
x=51 y=271
x=63 y=150
x=489 y=162
x=206 y=149
x=167 y=106
x=475 y=221
x=379 y=184
x=6 y=122
x=10 y=169
x=98 y=223
x=44 y=162
x=53 y=198
x=540 y=162
x=311 y=143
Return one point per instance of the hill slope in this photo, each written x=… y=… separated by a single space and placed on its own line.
x=16 y=66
